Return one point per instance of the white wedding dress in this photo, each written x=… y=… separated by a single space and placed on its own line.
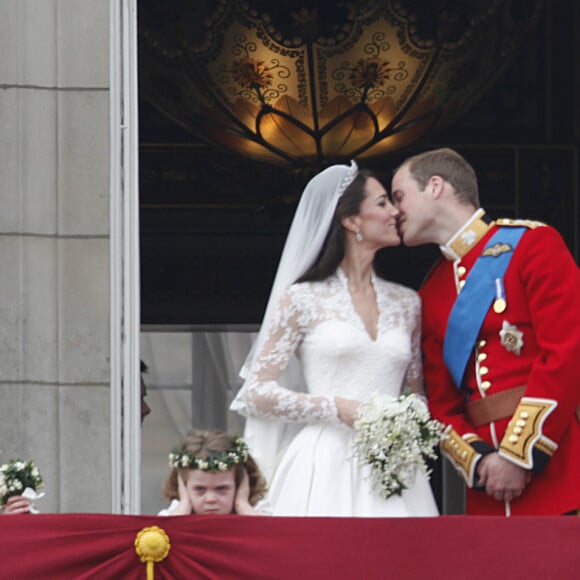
x=314 y=473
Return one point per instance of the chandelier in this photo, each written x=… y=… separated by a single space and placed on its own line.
x=306 y=82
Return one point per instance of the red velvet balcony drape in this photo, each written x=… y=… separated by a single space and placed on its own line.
x=95 y=546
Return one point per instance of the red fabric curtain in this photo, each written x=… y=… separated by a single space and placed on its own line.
x=96 y=546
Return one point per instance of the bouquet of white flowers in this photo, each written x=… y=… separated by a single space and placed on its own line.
x=16 y=477
x=395 y=437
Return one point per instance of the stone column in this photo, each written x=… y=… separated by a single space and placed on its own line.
x=54 y=247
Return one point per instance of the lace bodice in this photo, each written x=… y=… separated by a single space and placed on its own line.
x=318 y=322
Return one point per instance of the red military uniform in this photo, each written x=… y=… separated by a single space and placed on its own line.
x=529 y=347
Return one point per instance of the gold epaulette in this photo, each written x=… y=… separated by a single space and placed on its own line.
x=519 y=223
x=461 y=454
x=524 y=432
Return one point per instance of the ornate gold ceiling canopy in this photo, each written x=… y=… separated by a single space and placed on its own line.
x=306 y=83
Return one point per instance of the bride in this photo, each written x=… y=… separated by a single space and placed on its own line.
x=353 y=335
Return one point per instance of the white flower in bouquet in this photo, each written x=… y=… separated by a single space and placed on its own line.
x=16 y=477
x=395 y=437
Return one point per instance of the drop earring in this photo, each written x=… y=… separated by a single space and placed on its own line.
x=358 y=236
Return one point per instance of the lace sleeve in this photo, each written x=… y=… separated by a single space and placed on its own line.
x=414 y=377
x=262 y=394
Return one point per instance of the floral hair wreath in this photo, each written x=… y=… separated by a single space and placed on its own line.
x=223 y=461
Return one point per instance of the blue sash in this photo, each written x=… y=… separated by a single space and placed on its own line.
x=474 y=300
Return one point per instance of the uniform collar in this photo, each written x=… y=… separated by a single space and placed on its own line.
x=467 y=237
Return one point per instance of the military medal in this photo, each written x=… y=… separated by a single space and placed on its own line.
x=511 y=338
x=499 y=304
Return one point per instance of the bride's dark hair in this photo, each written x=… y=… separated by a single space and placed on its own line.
x=332 y=251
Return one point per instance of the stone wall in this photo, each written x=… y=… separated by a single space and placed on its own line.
x=54 y=247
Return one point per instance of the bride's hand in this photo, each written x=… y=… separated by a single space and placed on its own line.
x=347 y=410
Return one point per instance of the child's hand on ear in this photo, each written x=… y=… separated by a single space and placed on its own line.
x=242 y=504
x=184 y=507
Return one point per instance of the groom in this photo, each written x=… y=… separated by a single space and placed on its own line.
x=501 y=340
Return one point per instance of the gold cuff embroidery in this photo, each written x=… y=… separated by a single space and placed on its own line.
x=524 y=431
x=546 y=446
x=461 y=454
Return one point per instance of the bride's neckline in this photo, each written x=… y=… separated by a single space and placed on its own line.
x=343 y=277
x=373 y=333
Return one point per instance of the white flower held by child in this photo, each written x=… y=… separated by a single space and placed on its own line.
x=19 y=478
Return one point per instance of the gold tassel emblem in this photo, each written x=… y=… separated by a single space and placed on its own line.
x=152 y=545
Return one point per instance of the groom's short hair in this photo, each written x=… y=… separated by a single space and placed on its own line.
x=449 y=165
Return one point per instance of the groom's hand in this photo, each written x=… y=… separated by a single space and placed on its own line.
x=502 y=479
x=347 y=410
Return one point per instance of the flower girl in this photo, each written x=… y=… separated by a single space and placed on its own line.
x=213 y=473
